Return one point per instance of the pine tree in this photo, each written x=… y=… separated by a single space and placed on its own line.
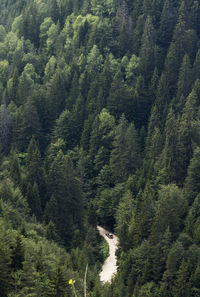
x=6 y=124
x=143 y=214
x=65 y=129
x=33 y=198
x=36 y=173
x=118 y=158
x=101 y=139
x=195 y=70
x=65 y=191
x=167 y=23
x=12 y=86
x=182 y=284
x=141 y=104
x=85 y=137
x=5 y=260
x=193 y=215
x=171 y=209
x=51 y=233
x=154 y=149
x=185 y=141
x=17 y=254
x=192 y=185
x=175 y=54
x=170 y=154
x=27 y=126
x=26 y=83
x=59 y=282
x=120 y=99
x=162 y=99
x=184 y=80
x=54 y=11
x=123 y=216
x=14 y=168
x=147 y=50
x=133 y=152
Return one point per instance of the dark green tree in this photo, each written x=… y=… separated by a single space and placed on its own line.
x=36 y=173
x=170 y=154
x=120 y=99
x=5 y=260
x=171 y=204
x=6 y=124
x=118 y=158
x=167 y=23
x=27 y=125
x=54 y=10
x=192 y=185
x=195 y=70
x=66 y=130
x=193 y=215
x=17 y=254
x=33 y=198
x=147 y=50
x=65 y=190
x=14 y=168
x=184 y=80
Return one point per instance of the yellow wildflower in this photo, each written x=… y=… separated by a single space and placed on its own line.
x=70 y=282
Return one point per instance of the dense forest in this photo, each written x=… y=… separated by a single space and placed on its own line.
x=99 y=124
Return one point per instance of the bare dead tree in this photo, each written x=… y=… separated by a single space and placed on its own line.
x=85 y=281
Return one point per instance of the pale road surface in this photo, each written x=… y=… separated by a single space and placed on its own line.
x=110 y=265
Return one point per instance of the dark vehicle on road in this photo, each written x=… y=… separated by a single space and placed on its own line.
x=109 y=235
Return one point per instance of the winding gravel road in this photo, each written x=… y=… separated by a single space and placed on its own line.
x=110 y=265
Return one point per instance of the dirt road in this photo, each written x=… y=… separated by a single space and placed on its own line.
x=110 y=265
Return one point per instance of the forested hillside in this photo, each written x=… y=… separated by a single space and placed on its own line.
x=99 y=124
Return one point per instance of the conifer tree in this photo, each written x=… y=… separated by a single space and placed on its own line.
x=172 y=204
x=65 y=190
x=155 y=147
x=167 y=23
x=14 y=168
x=133 y=151
x=12 y=86
x=162 y=98
x=118 y=158
x=185 y=139
x=143 y=215
x=123 y=216
x=54 y=11
x=17 y=254
x=192 y=185
x=195 y=70
x=185 y=79
x=5 y=260
x=170 y=154
x=147 y=50
x=6 y=124
x=36 y=173
x=65 y=129
x=182 y=284
x=27 y=125
x=33 y=199
x=101 y=138
x=120 y=99
x=193 y=215
x=59 y=282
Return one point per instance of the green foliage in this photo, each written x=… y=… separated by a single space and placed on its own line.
x=99 y=123
x=104 y=249
x=191 y=183
x=107 y=205
x=170 y=212
x=65 y=206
